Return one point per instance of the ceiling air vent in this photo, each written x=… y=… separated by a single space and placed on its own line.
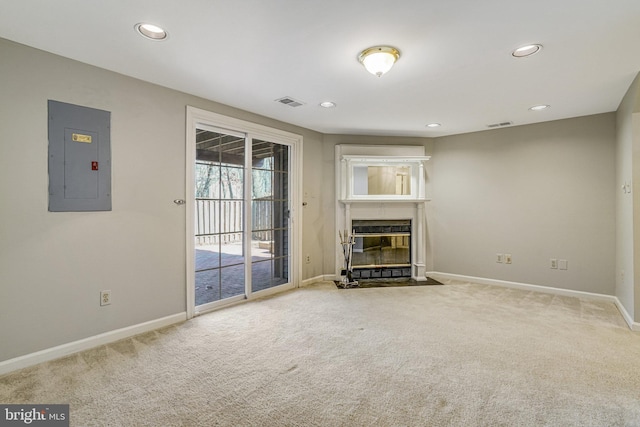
x=499 y=125
x=287 y=100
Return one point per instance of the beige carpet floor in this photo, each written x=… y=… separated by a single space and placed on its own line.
x=456 y=355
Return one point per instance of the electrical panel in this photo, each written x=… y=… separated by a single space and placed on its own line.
x=79 y=158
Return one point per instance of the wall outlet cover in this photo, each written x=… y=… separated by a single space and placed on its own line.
x=105 y=298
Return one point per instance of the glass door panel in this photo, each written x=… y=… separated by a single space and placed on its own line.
x=219 y=221
x=270 y=258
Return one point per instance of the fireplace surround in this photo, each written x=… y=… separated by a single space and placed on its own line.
x=382 y=248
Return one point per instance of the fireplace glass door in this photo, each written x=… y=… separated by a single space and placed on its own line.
x=382 y=249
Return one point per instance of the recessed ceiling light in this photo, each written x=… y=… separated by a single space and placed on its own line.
x=434 y=125
x=527 y=50
x=150 y=31
x=327 y=104
x=539 y=107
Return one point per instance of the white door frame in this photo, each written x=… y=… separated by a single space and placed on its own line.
x=195 y=117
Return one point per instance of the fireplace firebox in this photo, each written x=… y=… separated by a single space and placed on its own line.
x=382 y=248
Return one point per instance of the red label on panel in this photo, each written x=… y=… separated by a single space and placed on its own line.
x=94 y=166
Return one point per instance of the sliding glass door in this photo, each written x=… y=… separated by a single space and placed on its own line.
x=242 y=213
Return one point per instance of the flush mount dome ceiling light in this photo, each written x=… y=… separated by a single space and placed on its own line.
x=150 y=31
x=527 y=50
x=379 y=59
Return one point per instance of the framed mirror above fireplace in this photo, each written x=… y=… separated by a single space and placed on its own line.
x=382 y=178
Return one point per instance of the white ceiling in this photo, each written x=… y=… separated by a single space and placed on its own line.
x=456 y=66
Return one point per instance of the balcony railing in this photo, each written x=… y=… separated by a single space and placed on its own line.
x=221 y=221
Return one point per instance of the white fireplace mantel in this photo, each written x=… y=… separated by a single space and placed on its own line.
x=352 y=204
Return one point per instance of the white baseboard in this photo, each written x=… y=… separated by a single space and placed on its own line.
x=524 y=286
x=87 y=343
x=312 y=280
x=634 y=326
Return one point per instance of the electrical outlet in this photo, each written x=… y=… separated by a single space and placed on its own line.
x=554 y=263
x=507 y=258
x=499 y=258
x=307 y=259
x=105 y=297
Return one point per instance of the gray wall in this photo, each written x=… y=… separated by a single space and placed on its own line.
x=536 y=192
x=628 y=203
x=53 y=265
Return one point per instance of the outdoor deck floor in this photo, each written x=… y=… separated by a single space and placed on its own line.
x=220 y=271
